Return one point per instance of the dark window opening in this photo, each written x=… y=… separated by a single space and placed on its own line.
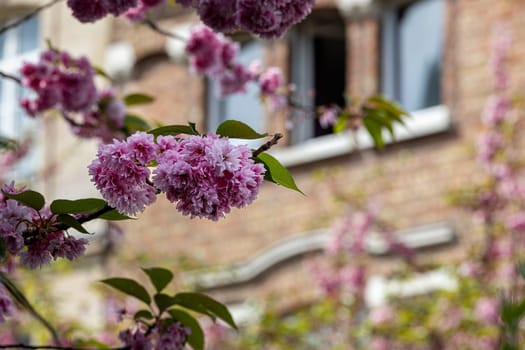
x=317 y=69
x=330 y=73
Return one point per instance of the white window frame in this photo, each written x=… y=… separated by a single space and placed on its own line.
x=416 y=238
x=302 y=71
x=11 y=124
x=422 y=123
x=11 y=64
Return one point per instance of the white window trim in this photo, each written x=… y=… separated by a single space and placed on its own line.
x=11 y=125
x=422 y=123
x=379 y=289
x=377 y=292
x=416 y=238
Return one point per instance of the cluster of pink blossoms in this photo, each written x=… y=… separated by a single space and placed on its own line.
x=121 y=174
x=267 y=18
x=30 y=235
x=138 y=13
x=59 y=81
x=67 y=84
x=213 y=55
x=205 y=175
x=93 y=10
x=173 y=338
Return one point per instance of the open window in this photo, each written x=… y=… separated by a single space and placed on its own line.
x=317 y=69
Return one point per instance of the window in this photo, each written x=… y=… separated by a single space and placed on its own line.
x=245 y=107
x=16 y=46
x=412 y=48
x=317 y=69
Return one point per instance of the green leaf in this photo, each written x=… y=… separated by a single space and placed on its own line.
x=199 y=301
x=521 y=269
x=163 y=301
x=341 y=123
x=172 y=130
x=277 y=173
x=134 y=123
x=238 y=130
x=159 y=276
x=374 y=129
x=91 y=343
x=382 y=120
x=101 y=72
x=145 y=314
x=114 y=215
x=79 y=206
x=129 y=287
x=509 y=346
x=196 y=338
x=71 y=222
x=137 y=99
x=28 y=198
x=193 y=127
x=7 y=143
x=381 y=103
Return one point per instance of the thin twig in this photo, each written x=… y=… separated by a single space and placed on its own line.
x=154 y=26
x=24 y=346
x=266 y=146
x=87 y=218
x=27 y=16
x=22 y=300
x=11 y=77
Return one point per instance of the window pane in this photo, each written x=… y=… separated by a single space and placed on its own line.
x=28 y=35
x=420 y=51
x=2 y=44
x=245 y=107
x=2 y=115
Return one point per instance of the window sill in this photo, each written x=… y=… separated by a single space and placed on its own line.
x=415 y=238
x=422 y=123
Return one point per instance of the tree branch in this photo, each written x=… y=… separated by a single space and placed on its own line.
x=11 y=77
x=27 y=16
x=266 y=146
x=25 y=346
x=87 y=218
x=154 y=26
x=22 y=300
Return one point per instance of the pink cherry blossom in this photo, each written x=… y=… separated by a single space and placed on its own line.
x=271 y=80
x=487 y=310
x=6 y=305
x=120 y=173
x=59 y=81
x=207 y=176
x=136 y=339
x=271 y=18
x=234 y=80
x=220 y=15
x=174 y=338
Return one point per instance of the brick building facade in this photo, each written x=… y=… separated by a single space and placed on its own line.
x=411 y=177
